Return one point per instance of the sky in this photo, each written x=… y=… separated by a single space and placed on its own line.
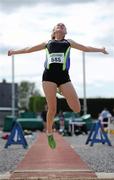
x=25 y=23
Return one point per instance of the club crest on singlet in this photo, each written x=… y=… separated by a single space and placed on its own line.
x=55 y=58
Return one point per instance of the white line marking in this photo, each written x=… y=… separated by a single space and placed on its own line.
x=52 y=170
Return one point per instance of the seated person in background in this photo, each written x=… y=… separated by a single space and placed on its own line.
x=103 y=117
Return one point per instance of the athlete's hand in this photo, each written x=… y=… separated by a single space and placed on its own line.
x=103 y=50
x=10 y=52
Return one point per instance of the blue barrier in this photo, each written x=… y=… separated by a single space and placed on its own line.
x=96 y=130
x=16 y=136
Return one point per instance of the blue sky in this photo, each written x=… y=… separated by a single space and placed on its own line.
x=90 y=22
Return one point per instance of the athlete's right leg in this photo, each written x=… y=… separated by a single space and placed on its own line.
x=50 y=93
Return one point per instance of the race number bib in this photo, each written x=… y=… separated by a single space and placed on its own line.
x=56 y=58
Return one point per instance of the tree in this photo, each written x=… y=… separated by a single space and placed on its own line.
x=26 y=90
x=36 y=103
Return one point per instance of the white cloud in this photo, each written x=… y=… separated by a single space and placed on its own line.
x=12 y=5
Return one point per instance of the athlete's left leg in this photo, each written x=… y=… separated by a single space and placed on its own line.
x=71 y=96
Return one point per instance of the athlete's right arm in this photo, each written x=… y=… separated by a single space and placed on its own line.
x=28 y=49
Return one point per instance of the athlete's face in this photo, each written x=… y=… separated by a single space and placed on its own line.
x=60 y=27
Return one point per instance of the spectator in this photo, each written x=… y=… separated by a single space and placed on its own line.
x=104 y=117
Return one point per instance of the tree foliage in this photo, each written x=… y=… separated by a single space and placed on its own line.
x=36 y=103
x=26 y=90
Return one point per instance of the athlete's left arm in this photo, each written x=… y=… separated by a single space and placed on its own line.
x=86 y=48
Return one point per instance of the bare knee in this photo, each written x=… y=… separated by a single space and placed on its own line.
x=75 y=106
x=78 y=108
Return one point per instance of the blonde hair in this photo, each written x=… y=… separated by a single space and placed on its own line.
x=53 y=32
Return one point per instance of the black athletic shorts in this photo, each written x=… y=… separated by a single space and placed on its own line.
x=58 y=77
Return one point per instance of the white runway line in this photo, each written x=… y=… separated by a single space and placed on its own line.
x=104 y=175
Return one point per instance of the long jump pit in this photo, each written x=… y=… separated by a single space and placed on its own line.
x=43 y=163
